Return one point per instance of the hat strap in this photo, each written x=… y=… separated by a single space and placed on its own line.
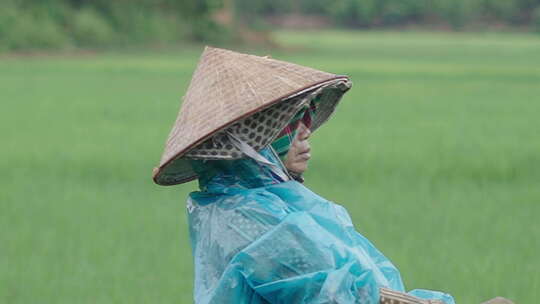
x=252 y=153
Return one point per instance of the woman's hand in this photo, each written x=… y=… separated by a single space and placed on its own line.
x=299 y=152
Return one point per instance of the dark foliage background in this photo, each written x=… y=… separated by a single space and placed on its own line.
x=57 y=24
x=374 y=13
x=34 y=24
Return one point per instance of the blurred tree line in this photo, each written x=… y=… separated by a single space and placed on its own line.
x=39 y=24
x=42 y=24
x=375 y=13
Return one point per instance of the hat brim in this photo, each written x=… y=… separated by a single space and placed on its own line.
x=178 y=170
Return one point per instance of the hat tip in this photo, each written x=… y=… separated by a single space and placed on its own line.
x=155 y=173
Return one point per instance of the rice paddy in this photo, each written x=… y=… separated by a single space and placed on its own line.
x=435 y=152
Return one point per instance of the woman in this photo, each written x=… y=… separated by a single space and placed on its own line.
x=258 y=235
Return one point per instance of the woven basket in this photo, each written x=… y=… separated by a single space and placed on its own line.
x=226 y=87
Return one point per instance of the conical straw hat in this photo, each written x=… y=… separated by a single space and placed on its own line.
x=226 y=87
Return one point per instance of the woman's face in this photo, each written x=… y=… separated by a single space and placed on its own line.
x=299 y=152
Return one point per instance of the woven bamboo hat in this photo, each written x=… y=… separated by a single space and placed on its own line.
x=249 y=96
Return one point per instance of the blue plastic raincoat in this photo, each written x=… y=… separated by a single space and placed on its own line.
x=258 y=239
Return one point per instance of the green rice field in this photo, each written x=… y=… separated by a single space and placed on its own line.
x=435 y=152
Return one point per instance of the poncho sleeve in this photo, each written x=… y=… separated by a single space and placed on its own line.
x=301 y=262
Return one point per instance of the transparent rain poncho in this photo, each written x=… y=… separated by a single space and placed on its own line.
x=259 y=239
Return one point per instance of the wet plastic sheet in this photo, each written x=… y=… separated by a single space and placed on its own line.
x=282 y=243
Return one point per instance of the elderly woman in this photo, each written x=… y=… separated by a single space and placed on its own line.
x=258 y=234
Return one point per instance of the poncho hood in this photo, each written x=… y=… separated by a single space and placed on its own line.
x=224 y=176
